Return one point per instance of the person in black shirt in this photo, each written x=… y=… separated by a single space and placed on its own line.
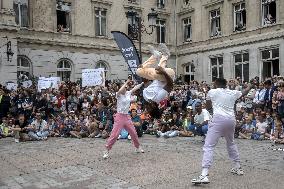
x=21 y=129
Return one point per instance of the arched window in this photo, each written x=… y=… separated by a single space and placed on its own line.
x=24 y=67
x=64 y=69
x=103 y=65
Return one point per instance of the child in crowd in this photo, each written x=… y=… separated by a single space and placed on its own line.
x=277 y=132
x=261 y=128
x=247 y=128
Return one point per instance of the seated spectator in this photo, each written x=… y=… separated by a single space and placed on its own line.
x=53 y=128
x=277 y=132
x=247 y=128
x=104 y=116
x=39 y=129
x=175 y=126
x=5 y=130
x=185 y=125
x=199 y=123
x=21 y=129
x=261 y=128
x=136 y=122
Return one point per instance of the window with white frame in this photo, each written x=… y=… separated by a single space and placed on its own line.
x=215 y=22
x=22 y=12
x=187 y=29
x=161 y=31
x=242 y=66
x=189 y=72
x=101 y=64
x=64 y=70
x=161 y=4
x=270 y=62
x=100 y=22
x=63 y=11
x=216 y=67
x=240 y=16
x=268 y=12
x=24 y=67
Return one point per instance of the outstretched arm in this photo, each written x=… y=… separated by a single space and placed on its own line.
x=122 y=89
x=136 y=88
x=169 y=80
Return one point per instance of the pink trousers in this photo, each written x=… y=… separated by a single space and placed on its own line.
x=122 y=121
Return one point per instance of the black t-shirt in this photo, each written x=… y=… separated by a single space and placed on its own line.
x=23 y=125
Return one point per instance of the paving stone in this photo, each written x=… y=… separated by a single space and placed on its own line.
x=167 y=163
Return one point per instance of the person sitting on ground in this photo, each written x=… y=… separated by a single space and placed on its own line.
x=21 y=129
x=40 y=128
x=247 y=128
x=162 y=80
x=136 y=122
x=186 y=122
x=199 y=121
x=175 y=126
x=104 y=116
x=261 y=128
x=5 y=130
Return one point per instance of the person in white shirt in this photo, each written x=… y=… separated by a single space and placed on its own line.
x=122 y=118
x=40 y=128
x=162 y=79
x=259 y=95
x=222 y=124
x=199 y=123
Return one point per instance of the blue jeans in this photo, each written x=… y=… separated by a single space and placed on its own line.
x=38 y=135
x=198 y=130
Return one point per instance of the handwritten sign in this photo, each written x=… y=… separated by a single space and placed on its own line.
x=27 y=84
x=11 y=86
x=46 y=83
x=93 y=77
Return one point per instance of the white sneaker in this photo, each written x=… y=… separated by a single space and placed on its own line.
x=164 y=49
x=98 y=135
x=200 y=180
x=17 y=140
x=129 y=137
x=106 y=155
x=237 y=171
x=138 y=150
x=154 y=52
x=119 y=137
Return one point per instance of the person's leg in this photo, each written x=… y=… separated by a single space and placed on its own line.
x=163 y=61
x=213 y=135
x=173 y=134
x=232 y=149
x=119 y=122
x=148 y=63
x=204 y=129
x=33 y=135
x=129 y=127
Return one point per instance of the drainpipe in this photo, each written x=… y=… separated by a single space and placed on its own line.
x=175 y=19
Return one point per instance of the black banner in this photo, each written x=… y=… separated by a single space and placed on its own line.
x=128 y=51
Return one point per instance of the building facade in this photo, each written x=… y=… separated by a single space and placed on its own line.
x=230 y=39
x=207 y=38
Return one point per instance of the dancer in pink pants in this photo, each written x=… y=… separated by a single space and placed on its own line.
x=222 y=124
x=122 y=119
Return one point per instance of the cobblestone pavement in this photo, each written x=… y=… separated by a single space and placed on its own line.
x=167 y=163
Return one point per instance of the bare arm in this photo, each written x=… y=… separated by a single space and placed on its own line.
x=246 y=90
x=169 y=80
x=122 y=89
x=136 y=87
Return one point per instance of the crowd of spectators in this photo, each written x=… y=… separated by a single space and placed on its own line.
x=75 y=111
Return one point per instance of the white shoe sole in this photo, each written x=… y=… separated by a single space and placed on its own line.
x=200 y=182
